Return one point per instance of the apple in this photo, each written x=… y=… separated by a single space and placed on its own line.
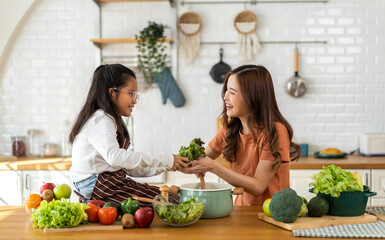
x=266 y=208
x=47 y=195
x=62 y=191
x=50 y=186
x=98 y=203
x=144 y=217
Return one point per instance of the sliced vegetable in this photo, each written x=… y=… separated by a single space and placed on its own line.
x=59 y=214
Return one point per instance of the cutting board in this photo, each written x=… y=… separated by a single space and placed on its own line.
x=379 y=215
x=86 y=227
x=319 y=222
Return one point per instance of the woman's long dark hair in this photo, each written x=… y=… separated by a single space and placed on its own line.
x=104 y=77
x=256 y=87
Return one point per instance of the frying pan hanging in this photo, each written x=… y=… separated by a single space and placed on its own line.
x=219 y=70
x=296 y=86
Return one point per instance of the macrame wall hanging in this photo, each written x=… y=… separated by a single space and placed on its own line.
x=247 y=41
x=189 y=25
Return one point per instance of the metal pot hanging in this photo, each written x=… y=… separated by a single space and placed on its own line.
x=219 y=70
x=296 y=86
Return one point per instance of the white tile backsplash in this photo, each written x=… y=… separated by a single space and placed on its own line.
x=48 y=69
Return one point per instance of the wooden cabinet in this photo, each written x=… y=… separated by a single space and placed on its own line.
x=378 y=186
x=33 y=180
x=17 y=185
x=11 y=186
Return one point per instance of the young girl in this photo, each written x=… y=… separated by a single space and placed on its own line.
x=255 y=138
x=101 y=165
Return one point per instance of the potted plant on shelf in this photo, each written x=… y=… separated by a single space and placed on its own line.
x=152 y=57
x=153 y=63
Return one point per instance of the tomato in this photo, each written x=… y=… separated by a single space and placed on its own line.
x=92 y=213
x=107 y=215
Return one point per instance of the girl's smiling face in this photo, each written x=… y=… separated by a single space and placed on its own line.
x=126 y=97
x=235 y=105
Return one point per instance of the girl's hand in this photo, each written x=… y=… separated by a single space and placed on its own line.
x=201 y=165
x=179 y=163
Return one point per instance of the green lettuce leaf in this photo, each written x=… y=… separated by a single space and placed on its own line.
x=59 y=214
x=333 y=180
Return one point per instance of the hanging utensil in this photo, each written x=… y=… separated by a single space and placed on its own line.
x=296 y=86
x=219 y=70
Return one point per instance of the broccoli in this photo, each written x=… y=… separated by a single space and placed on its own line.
x=285 y=206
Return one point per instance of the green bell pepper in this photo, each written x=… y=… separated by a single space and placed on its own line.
x=129 y=206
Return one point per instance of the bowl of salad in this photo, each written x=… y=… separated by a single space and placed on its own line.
x=180 y=215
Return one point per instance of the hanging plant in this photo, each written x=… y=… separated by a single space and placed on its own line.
x=152 y=57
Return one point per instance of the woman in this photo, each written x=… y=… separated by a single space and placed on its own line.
x=101 y=165
x=255 y=138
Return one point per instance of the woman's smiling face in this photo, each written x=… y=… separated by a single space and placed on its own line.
x=125 y=98
x=235 y=105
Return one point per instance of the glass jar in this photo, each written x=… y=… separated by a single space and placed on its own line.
x=18 y=146
x=34 y=148
x=49 y=150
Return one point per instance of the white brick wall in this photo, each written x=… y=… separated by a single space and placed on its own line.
x=46 y=76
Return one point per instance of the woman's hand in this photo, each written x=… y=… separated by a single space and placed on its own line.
x=179 y=163
x=201 y=165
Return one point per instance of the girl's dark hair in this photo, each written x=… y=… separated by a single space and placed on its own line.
x=104 y=77
x=256 y=87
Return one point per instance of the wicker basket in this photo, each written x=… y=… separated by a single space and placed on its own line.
x=245 y=17
x=189 y=23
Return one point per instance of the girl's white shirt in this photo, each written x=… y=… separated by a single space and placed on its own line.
x=96 y=150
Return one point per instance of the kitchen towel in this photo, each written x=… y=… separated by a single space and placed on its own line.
x=169 y=88
x=365 y=230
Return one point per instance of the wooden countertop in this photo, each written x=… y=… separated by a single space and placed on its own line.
x=349 y=162
x=310 y=162
x=34 y=163
x=243 y=223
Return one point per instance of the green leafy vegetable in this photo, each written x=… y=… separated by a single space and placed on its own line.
x=334 y=180
x=184 y=212
x=59 y=214
x=193 y=151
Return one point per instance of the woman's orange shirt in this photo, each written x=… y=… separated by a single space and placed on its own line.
x=248 y=156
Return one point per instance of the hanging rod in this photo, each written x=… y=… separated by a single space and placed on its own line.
x=255 y=2
x=271 y=42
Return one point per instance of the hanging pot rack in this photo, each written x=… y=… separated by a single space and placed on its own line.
x=272 y=42
x=253 y=2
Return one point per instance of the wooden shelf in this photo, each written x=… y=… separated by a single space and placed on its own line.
x=119 y=40
x=101 y=41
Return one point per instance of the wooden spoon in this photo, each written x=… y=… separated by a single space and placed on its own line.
x=143 y=199
x=202 y=179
